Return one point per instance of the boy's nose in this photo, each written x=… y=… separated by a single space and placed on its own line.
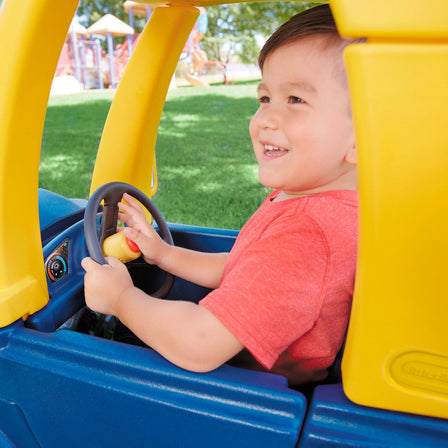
x=268 y=118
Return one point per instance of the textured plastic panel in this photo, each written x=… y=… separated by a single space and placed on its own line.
x=397 y=19
x=396 y=355
x=334 y=421
x=77 y=390
x=14 y=430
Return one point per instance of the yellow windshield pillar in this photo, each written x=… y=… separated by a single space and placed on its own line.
x=31 y=39
x=397 y=352
x=127 y=148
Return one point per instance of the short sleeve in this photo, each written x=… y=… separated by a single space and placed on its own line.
x=273 y=294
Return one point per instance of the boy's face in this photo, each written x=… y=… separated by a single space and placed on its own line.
x=302 y=133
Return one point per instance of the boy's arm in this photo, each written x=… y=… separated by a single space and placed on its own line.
x=202 y=268
x=187 y=334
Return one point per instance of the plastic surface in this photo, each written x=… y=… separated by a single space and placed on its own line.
x=396 y=355
x=398 y=19
x=57 y=213
x=53 y=207
x=111 y=193
x=66 y=295
x=25 y=82
x=14 y=430
x=77 y=390
x=127 y=148
x=132 y=246
x=118 y=246
x=334 y=421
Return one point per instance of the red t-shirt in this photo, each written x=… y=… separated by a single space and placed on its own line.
x=287 y=286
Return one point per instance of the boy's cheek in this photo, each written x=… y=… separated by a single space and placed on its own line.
x=254 y=137
x=253 y=125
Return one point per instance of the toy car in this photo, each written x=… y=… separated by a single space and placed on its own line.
x=71 y=378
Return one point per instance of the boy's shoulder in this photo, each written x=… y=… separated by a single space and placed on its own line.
x=336 y=215
x=330 y=216
x=319 y=203
x=334 y=199
x=330 y=211
x=351 y=196
x=333 y=205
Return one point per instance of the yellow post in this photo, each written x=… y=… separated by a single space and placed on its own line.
x=126 y=151
x=397 y=352
x=31 y=40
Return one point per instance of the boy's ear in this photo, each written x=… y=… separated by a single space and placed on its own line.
x=351 y=156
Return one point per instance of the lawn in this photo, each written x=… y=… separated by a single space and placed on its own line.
x=207 y=170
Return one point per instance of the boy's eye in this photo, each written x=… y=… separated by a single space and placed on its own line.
x=295 y=99
x=264 y=99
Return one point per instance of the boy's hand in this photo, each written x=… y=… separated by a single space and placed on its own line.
x=140 y=231
x=104 y=284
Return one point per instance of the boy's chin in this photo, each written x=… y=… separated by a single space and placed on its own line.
x=267 y=181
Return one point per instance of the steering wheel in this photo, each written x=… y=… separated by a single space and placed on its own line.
x=112 y=193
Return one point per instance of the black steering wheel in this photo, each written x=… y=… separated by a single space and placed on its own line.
x=112 y=193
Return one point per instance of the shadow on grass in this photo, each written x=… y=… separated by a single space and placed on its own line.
x=206 y=166
x=70 y=141
x=205 y=158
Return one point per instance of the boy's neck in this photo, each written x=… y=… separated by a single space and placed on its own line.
x=284 y=195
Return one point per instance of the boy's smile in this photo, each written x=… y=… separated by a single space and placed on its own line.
x=302 y=133
x=274 y=151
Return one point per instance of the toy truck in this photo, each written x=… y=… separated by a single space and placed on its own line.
x=68 y=378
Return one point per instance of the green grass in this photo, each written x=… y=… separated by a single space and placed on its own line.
x=206 y=167
x=72 y=132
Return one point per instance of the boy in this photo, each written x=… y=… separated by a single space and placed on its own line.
x=284 y=292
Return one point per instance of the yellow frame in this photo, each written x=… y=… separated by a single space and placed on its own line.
x=396 y=355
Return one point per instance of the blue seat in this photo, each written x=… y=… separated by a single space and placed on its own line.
x=334 y=421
